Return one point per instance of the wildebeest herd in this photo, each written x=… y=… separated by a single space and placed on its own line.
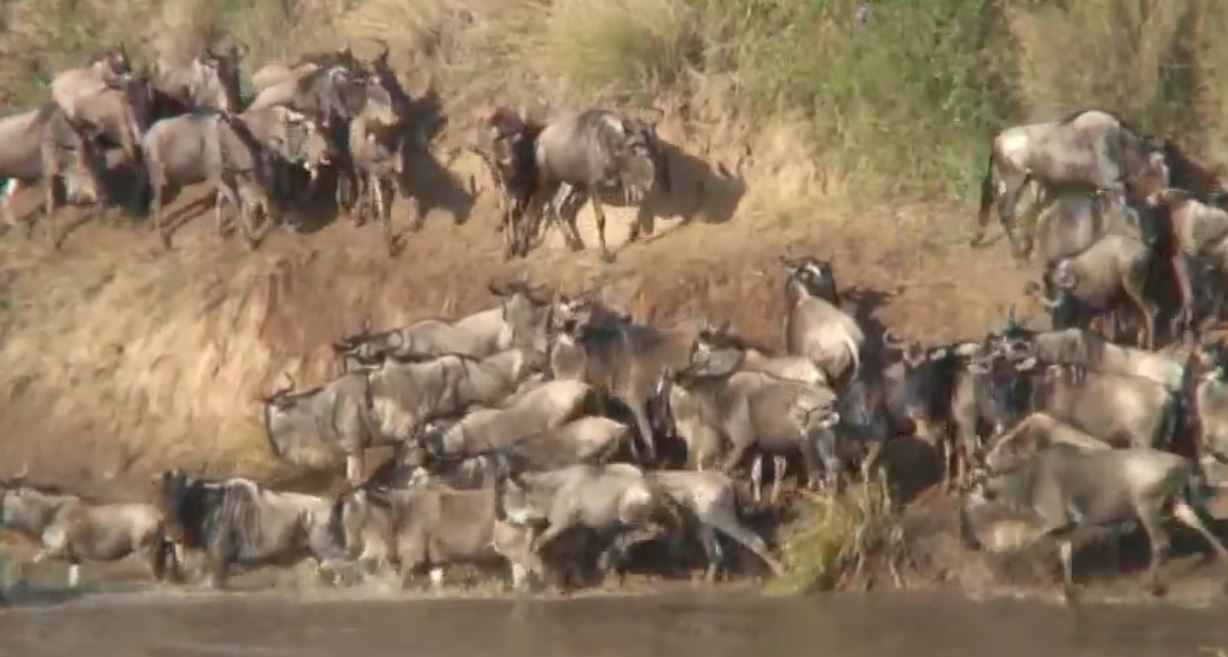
x=550 y=434
x=330 y=117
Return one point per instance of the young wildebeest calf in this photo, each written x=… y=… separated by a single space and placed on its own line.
x=74 y=529
x=1067 y=488
x=239 y=522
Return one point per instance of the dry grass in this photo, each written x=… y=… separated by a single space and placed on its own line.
x=834 y=536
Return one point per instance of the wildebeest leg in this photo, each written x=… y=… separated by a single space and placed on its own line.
x=712 y=551
x=353 y=467
x=383 y=209
x=1147 y=314
x=1182 y=320
x=728 y=524
x=600 y=212
x=1066 y=555
x=74 y=574
x=779 y=465
x=1158 y=538
x=437 y=579
x=756 y=478
x=645 y=429
x=1189 y=517
x=10 y=190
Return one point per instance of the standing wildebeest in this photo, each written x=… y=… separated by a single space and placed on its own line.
x=589 y=151
x=1113 y=269
x=1089 y=149
x=375 y=141
x=116 y=106
x=625 y=361
x=209 y=80
x=1035 y=433
x=209 y=146
x=710 y=503
x=75 y=529
x=616 y=501
x=519 y=320
x=1066 y=488
x=425 y=528
x=239 y=522
x=815 y=327
x=753 y=411
x=42 y=144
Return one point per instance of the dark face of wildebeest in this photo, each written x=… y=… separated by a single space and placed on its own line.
x=646 y=163
x=171 y=494
x=813 y=276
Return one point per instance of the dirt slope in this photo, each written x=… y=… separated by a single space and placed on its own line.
x=119 y=358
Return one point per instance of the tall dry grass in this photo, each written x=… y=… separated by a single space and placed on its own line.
x=903 y=102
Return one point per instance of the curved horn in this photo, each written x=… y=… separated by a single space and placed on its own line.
x=891 y=341
x=281 y=392
x=497 y=289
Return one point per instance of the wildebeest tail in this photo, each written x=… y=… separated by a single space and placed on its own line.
x=987 y=198
x=747 y=538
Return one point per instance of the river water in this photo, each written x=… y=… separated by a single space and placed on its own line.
x=686 y=624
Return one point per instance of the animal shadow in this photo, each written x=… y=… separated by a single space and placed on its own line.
x=697 y=190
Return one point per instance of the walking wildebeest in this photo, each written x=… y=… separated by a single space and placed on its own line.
x=209 y=80
x=422 y=529
x=713 y=341
x=519 y=320
x=589 y=151
x=710 y=503
x=616 y=501
x=71 y=88
x=275 y=73
x=293 y=140
x=42 y=144
x=753 y=411
x=75 y=529
x=240 y=522
x=815 y=327
x=1089 y=149
x=1076 y=220
x=375 y=141
x=1066 y=488
x=507 y=144
x=1035 y=433
x=1112 y=270
x=209 y=146
x=1191 y=230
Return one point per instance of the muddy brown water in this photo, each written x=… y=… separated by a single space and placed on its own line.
x=704 y=623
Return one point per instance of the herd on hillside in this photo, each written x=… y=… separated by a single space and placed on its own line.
x=328 y=128
x=550 y=434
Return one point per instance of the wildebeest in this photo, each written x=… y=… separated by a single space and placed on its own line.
x=113 y=105
x=1066 y=488
x=238 y=522
x=405 y=395
x=375 y=149
x=1076 y=219
x=530 y=413
x=519 y=320
x=815 y=327
x=73 y=88
x=1084 y=349
x=42 y=144
x=1120 y=410
x=592 y=150
x=753 y=412
x=313 y=427
x=209 y=80
x=425 y=528
x=1089 y=149
x=616 y=501
x=1112 y=270
x=213 y=147
x=624 y=360
x=292 y=140
x=1192 y=231
x=1210 y=402
x=713 y=340
x=75 y=529
x=507 y=144
x=1035 y=433
x=710 y=503
x=276 y=72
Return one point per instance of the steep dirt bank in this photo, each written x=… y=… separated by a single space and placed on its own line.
x=119 y=359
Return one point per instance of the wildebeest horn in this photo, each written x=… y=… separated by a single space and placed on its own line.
x=25 y=470
x=891 y=341
x=280 y=392
x=497 y=289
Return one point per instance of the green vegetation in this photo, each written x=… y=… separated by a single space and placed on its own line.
x=902 y=103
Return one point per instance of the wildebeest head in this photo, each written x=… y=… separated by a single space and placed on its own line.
x=351 y=513
x=290 y=426
x=526 y=313
x=1012 y=340
x=111 y=63
x=172 y=493
x=809 y=276
x=218 y=79
x=306 y=143
x=645 y=164
x=28 y=508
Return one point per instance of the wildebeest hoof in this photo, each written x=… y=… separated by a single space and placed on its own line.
x=1071 y=594
x=607 y=257
x=1157 y=589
